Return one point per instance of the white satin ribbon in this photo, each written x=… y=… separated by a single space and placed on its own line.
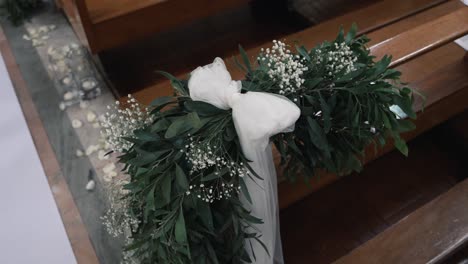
x=257 y=116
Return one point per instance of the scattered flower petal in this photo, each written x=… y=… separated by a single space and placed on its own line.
x=91 y=149
x=76 y=123
x=90 y=185
x=79 y=153
x=108 y=168
x=91 y=117
x=68 y=96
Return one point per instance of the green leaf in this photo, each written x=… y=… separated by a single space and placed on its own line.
x=202 y=108
x=391 y=74
x=349 y=76
x=303 y=52
x=326 y=115
x=244 y=190
x=317 y=136
x=204 y=212
x=386 y=121
x=245 y=59
x=195 y=119
x=382 y=65
x=406 y=105
x=180 y=231
x=211 y=176
x=178 y=127
x=146 y=157
x=340 y=37
x=211 y=253
x=146 y=135
x=405 y=125
x=162 y=100
x=176 y=83
x=166 y=188
x=160 y=125
x=312 y=83
x=150 y=205
x=181 y=178
x=401 y=145
x=352 y=33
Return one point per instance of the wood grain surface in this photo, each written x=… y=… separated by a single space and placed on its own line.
x=426 y=236
x=110 y=23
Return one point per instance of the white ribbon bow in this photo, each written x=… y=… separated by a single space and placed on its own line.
x=257 y=116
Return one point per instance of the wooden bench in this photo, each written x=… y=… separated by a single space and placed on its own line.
x=103 y=24
x=428 y=235
x=440 y=74
x=369 y=19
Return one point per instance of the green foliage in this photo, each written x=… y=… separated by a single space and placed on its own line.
x=175 y=227
x=342 y=112
x=18 y=10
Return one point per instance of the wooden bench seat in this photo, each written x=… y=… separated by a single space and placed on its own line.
x=440 y=75
x=428 y=235
x=101 y=10
x=369 y=19
x=104 y=24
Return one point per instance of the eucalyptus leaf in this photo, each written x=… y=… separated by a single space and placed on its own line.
x=178 y=127
x=181 y=178
x=180 y=231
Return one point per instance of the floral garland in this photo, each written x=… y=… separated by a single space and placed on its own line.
x=186 y=169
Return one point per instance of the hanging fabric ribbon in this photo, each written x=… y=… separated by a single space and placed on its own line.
x=257 y=116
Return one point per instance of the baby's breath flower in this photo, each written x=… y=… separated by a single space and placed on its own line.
x=203 y=156
x=284 y=67
x=219 y=190
x=340 y=59
x=117 y=220
x=121 y=122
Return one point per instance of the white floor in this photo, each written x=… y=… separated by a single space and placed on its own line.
x=31 y=230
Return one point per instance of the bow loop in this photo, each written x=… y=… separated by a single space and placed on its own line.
x=213 y=84
x=257 y=115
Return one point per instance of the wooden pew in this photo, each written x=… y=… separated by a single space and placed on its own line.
x=441 y=78
x=428 y=235
x=369 y=19
x=103 y=24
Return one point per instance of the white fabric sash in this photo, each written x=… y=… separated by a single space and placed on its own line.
x=257 y=116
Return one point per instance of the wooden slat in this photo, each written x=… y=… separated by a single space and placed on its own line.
x=155 y=18
x=403 y=25
x=101 y=10
x=426 y=236
x=425 y=37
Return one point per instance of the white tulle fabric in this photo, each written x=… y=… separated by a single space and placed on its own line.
x=257 y=116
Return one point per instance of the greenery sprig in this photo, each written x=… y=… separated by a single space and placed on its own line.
x=185 y=165
x=345 y=98
x=180 y=220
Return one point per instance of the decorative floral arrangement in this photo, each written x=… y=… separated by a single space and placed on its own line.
x=187 y=197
